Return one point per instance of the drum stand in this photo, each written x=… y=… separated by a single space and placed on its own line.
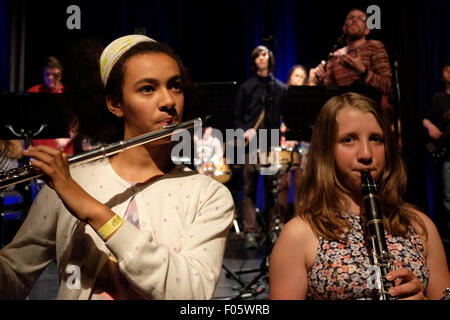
x=247 y=291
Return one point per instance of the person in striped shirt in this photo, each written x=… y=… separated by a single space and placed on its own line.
x=361 y=62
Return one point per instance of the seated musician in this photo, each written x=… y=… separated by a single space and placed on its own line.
x=52 y=74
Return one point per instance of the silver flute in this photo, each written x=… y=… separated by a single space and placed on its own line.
x=29 y=172
x=382 y=259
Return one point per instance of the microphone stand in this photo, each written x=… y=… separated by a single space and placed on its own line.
x=397 y=105
x=248 y=291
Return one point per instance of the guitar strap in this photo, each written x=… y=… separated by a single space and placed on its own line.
x=257 y=124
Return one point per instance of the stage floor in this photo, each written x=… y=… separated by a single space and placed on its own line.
x=236 y=259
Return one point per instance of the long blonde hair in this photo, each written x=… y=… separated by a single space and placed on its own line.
x=322 y=195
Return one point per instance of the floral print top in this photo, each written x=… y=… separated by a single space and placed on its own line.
x=342 y=269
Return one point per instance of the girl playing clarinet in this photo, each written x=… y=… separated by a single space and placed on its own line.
x=324 y=252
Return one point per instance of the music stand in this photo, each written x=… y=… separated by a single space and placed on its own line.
x=215 y=99
x=303 y=105
x=27 y=116
x=33 y=116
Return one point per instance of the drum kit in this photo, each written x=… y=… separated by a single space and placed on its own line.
x=282 y=158
x=215 y=167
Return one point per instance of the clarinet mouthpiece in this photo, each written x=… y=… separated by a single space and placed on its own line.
x=368 y=185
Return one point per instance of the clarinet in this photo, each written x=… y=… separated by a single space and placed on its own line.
x=340 y=42
x=380 y=254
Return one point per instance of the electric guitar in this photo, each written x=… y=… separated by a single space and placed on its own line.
x=439 y=148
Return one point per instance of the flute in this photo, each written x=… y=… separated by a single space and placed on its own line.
x=380 y=253
x=29 y=172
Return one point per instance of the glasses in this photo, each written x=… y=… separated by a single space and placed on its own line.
x=350 y=18
x=54 y=75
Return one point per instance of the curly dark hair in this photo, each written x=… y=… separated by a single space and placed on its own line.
x=85 y=93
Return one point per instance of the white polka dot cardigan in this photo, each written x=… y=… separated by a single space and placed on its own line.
x=176 y=254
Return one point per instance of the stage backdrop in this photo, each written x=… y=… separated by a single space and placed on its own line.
x=215 y=38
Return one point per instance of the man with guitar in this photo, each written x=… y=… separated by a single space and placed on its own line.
x=259 y=102
x=437 y=123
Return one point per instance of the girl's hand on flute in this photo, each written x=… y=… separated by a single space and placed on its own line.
x=80 y=204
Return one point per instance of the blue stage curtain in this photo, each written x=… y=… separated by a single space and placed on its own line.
x=4 y=44
x=434 y=41
x=215 y=39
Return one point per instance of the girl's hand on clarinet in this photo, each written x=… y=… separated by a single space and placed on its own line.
x=407 y=285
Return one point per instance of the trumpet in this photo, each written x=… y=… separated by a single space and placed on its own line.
x=29 y=172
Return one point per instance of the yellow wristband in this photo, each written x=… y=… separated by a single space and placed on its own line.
x=108 y=228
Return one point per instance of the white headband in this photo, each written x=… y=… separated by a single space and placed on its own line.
x=115 y=50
